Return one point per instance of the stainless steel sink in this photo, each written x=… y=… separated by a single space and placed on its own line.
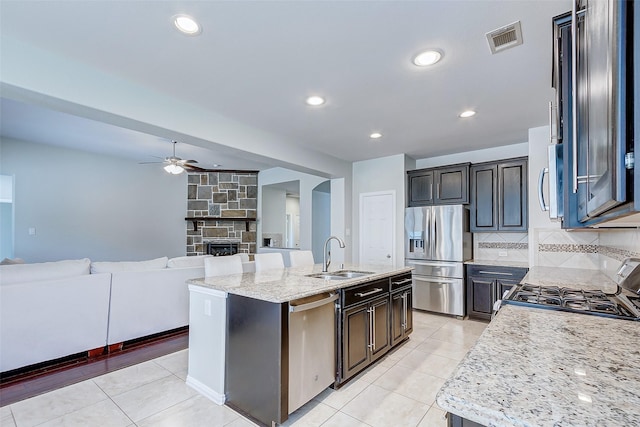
x=340 y=274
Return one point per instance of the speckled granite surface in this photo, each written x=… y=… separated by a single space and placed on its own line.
x=283 y=285
x=570 y=278
x=536 y=367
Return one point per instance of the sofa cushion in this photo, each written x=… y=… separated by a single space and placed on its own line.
x=113 y=267
x=21 y=273
x=11 y=261
x=187 y=261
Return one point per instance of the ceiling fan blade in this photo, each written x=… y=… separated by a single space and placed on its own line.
x=187 y=161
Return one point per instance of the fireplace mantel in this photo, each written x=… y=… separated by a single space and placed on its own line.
x=195 y=220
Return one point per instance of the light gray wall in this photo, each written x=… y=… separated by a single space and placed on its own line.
x=476 y=156
x=321 y=219
x=382 y=174
x=87 y=205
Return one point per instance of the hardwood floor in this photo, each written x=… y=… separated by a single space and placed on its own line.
x=17 y=386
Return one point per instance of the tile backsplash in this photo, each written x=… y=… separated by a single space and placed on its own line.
x=501 y=246
x=592 y=249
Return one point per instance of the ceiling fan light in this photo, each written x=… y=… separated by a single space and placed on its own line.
x=174 y=169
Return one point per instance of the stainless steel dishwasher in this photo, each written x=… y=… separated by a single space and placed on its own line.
x=312 y=347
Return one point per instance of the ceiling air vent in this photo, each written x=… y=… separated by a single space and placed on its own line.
x=505 y=37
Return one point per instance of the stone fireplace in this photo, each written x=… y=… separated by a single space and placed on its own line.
x=222 y=208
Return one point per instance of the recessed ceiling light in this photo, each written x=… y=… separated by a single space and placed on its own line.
x=375 y=135
x=468 y=113
x=427 y=57
x=315 y=100
x=187 y=25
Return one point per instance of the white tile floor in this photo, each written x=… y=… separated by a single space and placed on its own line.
x=398 y=391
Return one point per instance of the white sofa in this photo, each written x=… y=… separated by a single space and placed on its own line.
x=146 y=302
x=55 y=309
x=51 y=310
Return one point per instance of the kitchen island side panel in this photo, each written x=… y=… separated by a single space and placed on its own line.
x=257 y=358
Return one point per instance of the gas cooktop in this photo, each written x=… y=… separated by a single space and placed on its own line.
x=593 y=302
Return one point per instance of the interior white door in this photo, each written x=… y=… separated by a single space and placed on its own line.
x=377 y=228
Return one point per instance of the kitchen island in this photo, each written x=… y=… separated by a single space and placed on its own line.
x=537 y=367
x=244 y=344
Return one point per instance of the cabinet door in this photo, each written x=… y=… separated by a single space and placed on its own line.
x=512 y=196
x=420 y=185
x=409 y=312
x=480 y=297
x=397 y=307
x=503 y=285
x=380 y=315
x=484 y=192
x=452 y=185
x=355 y=339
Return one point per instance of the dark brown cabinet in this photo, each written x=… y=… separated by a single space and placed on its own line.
x=365 y=326
x=365 y=335
x=373 y=317
x=486 y=284
x=401 y=315
x=438 y=186
x=499 y=196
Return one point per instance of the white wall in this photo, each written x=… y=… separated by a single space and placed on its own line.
x=383 y=174
x=273 y=217
x=477 y=156
x=321 y=222
x=307 y=184
x=88 y=205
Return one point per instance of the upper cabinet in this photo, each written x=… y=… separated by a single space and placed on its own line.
x=499 y=200
x=439 y=186
x=593 y=74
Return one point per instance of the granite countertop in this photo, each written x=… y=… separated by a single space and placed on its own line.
x=570 y=278
x=536 y=367
x=501 y=263
x=283 y=285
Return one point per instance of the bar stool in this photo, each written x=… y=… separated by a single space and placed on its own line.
x=301 y=258
x=268 y=261
x=222 y=265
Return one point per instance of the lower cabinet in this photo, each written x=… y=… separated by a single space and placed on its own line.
x=365 y=335
x=401 y=315
x=373 y=317
x=486 y=284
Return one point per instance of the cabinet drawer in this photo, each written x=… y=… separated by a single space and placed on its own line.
x=494 y=271
x=365 y=292
x=398 y=282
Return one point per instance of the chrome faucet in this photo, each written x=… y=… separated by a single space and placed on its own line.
x=326 y=254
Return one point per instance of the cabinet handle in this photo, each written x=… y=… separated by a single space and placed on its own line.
x=500 y=273
x=366 y=294
x=437 y=190
x=373 y=330
x=404 y=311
x=402 y=282
x=370 y=345
x=543 y=205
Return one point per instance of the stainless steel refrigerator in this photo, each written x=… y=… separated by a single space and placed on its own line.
x=437 y=242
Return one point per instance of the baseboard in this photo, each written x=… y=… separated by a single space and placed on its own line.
x=206 y=391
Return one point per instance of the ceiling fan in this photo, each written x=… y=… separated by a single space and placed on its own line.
x=175 y=165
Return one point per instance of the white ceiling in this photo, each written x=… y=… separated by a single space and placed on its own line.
x=256 y=61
